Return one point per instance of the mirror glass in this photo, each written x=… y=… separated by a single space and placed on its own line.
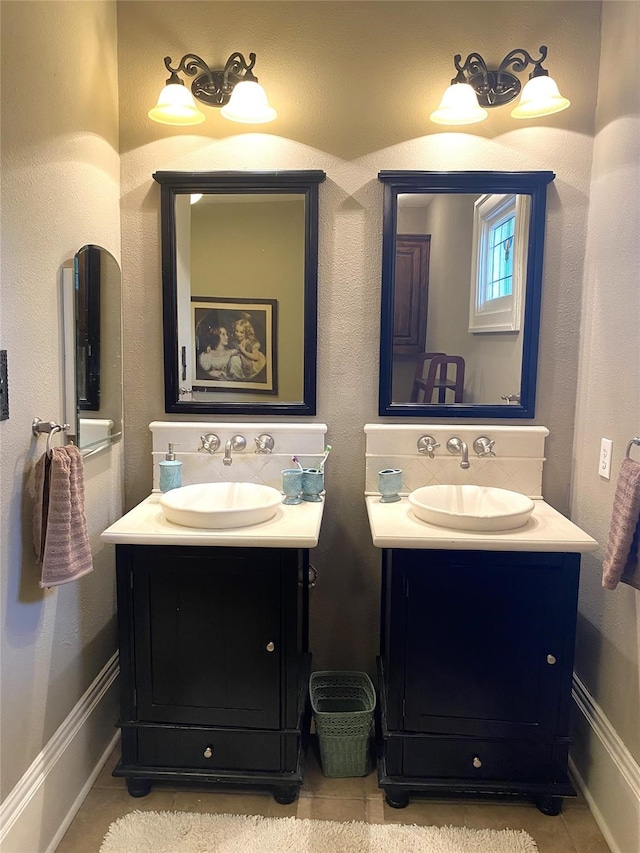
x=93 y=349
x=461 y=285
x=239 y=256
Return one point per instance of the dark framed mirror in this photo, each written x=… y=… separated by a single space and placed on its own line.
x=87 y=264
x=462 y=259
x=239 y=273
x=92 y=322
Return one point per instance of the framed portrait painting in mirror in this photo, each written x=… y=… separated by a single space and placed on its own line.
x=235 y=344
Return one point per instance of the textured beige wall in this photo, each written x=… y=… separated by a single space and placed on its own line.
x=353 y=83
x=60 y=190
x=608 y=647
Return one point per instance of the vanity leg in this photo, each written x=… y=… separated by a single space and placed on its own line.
x=286 y=794
x=396 y=798
x=549 y=805
x=138 y=787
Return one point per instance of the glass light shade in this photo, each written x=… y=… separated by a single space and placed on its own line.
x=540 y=97
x=459 y=105
x=176 y=106
x=248 y=104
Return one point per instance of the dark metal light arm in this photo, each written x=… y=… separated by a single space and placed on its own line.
x=497 y=86
x=237 y=65
x=473 y=64
x=212 y=86
x=520 y=60
x=190 y=64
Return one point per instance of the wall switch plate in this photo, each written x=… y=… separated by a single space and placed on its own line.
x=604 y=464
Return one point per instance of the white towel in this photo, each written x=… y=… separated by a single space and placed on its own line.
x=621 y=558
x=60 y=532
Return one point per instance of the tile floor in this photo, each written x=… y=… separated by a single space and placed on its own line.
x=574 y=831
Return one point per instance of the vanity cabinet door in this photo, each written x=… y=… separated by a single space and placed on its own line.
x=488 y=642
x=207 y=630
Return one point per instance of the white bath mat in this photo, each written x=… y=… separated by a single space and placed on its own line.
x=183 y=832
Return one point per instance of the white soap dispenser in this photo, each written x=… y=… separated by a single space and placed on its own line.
x=170 y=471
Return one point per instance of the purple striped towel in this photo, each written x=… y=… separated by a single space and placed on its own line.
x=621 y=558
x=60 y=532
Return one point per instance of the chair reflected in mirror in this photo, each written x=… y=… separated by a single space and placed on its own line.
x=444 y=373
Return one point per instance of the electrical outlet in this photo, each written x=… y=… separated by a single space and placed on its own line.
x=604 y=464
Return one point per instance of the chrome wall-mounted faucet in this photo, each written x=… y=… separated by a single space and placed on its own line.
x=237 y=442
x=483 y=446
x=456 y=445
x=427 y=444
x=264 y=443
x=210 y=443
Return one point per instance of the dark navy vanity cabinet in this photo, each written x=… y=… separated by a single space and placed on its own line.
x=214 y=666
x=475 y=673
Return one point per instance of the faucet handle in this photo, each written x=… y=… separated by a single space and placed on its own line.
x=483 y=446
x=210 y=442
x=427 y=444
x=264 y=443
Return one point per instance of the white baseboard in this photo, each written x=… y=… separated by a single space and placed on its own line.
x=66 y=823
x=38 y=811
x=606 y=773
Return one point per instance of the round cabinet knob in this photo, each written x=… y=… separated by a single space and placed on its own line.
x=271 y=647
x=551 y=659
x=208 y=752
x=476 y=761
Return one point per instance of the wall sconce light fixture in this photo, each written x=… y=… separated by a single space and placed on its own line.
x=476 y=86
x=235 y=89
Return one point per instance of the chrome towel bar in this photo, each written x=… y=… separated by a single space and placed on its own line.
x=38 y=427
x=633 y=441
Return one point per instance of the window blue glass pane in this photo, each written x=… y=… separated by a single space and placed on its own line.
x=499 y=270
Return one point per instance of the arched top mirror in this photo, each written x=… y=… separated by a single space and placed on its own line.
x=92 y=305
x=239 y=270
x=461 y=286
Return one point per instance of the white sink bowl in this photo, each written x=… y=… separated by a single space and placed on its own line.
x=477 y=508
x=221 y=505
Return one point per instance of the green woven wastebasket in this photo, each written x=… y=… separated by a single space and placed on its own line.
x=343 y=704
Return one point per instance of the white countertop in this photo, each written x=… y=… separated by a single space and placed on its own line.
x=292 y=527
x=393 y=525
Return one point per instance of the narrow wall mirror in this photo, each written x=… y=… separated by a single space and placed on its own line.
x=92 y=304
x=239 y=270
x=461 y=286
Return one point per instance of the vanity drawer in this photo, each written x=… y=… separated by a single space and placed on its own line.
x=468 y=758
x=207 y=749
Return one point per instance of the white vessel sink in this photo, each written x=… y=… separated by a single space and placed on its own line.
x=221 y=505
x=478 y=508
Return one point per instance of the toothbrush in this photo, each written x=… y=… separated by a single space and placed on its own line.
x=297 y=461
x=327 y=450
